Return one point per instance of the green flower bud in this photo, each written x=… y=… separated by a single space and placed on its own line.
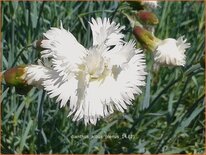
x=147 y=17
x=15 y=77
x=146 y=38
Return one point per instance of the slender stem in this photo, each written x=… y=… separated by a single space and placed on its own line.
x=179 y=100
x=152 y=103
x=163 y=91
x=38 y=20
x=135 y=124
x=158 y=96
x=163 y=142
x=115 y=11
x=12 y=53
x=175 y=109
x=17 y=57
x=91 y=12
x=39 y=134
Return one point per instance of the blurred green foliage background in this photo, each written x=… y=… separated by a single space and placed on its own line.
x=167 y=118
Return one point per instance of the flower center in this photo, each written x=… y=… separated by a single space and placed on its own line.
x=95 y=65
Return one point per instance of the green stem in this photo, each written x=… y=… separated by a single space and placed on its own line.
x=162 y=141
x=179 y=100
x=91 y=12
x=158 y=96
x=152 y=103
x=40 y=114
x=38 y=20
x=115 y=11
x=17 y=57
x=12 y=53
x=175 y=109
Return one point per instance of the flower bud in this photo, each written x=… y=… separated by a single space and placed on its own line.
x=147 y=17
x=146 y=39
x=15 y=77
x=37 y=44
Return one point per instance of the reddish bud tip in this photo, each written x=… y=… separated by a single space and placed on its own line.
x=147 y=17
x=37 y=44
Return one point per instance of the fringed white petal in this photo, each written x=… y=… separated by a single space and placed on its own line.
x=64 y=90
x=105 y=32
x=121 y=54
x=63 y=48
x=171 y=52
x=36 y=74
x=182 y=45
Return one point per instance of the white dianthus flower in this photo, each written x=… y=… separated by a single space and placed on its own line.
x=93 y=82
x=171 y=52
